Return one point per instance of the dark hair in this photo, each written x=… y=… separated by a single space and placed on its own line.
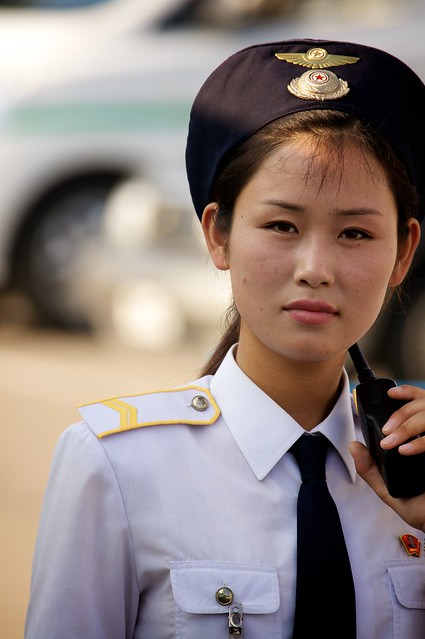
x=329 y=132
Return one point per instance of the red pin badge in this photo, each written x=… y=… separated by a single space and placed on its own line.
x=411 y=544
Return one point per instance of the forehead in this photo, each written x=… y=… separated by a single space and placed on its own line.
x=321 y=160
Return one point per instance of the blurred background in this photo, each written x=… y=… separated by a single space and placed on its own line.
x=106 y=287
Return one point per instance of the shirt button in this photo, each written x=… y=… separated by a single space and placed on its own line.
x=199 y=402
x=224 y=596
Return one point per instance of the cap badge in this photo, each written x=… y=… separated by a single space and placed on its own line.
x=317 y=58
x=318 y=85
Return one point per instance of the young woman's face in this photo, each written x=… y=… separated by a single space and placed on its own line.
x=311 y=253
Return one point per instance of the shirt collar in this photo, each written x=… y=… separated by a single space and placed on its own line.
x=263 y=431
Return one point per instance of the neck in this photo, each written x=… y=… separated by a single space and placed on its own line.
x=305 y=390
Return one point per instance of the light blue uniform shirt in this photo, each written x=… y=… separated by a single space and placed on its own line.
x=157 y=501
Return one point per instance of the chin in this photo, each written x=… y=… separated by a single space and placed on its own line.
x=313 y=353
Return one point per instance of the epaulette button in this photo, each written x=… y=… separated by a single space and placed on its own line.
x=199 y=402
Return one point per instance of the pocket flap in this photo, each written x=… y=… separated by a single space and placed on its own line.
x=408 y=579
x=195 y=584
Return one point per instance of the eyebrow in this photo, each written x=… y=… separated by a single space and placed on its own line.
x=296 y=208
x=361 y=211
x=288 y=206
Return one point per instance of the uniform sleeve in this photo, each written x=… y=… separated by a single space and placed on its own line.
x=84 y=583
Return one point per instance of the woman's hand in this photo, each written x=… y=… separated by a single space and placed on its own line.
x=411 y=509
x=407 y=422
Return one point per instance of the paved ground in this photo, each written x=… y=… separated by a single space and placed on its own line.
x=43 y=376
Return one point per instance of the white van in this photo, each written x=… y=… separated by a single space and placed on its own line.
x=88 y=98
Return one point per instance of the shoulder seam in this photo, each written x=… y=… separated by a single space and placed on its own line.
x=124 y=507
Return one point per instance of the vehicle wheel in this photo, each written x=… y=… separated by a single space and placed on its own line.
x=144 y=314
x=49 y=253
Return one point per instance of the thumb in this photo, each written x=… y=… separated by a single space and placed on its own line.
x=368 y=470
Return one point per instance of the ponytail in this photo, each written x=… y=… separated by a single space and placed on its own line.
x=229 y=337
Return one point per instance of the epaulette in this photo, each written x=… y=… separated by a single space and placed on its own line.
x=192 y=405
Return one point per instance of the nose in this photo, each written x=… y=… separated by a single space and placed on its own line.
x=314 y=265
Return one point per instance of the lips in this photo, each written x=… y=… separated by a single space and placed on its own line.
x=314 y=312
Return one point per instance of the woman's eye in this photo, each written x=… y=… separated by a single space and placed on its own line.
x=355 y=234
x=282 y=227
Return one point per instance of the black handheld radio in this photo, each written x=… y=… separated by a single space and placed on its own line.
x=404 y=475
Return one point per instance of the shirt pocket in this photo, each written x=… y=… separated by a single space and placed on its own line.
x=408 y=598
x=198 y=614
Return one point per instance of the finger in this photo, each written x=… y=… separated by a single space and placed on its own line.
x=406 y=392
x=413 y=427
x=404 y=413
x=368 y=470
x=414 y=398
x=413 y=447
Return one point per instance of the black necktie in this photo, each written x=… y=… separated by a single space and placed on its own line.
x=325 y=599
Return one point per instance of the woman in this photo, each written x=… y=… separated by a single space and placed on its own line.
x=309 y=185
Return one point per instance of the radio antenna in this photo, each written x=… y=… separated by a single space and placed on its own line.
x=364 y=372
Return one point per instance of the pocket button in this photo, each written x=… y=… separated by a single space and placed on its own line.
x=224 y=596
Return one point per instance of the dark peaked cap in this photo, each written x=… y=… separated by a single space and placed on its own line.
x=250 y=89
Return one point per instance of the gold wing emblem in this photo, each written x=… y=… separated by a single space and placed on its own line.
x=317 y=58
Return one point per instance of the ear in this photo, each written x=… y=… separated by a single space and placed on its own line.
x=216 y=242
x=406 y=252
